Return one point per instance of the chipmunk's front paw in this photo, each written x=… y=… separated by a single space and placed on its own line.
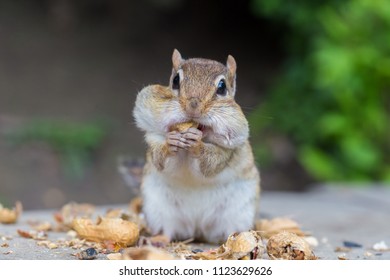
x=176 y=141
x=193 y=138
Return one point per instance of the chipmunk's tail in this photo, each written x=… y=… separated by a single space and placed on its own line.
x=131 y=170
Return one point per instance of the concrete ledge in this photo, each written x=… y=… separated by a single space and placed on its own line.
x=331 y=214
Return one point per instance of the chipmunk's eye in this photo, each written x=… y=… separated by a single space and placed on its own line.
x=221 y=87
x=176 y=82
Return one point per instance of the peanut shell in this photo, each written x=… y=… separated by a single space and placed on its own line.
x=10 y=216
x=289 y=246
x=113 y=229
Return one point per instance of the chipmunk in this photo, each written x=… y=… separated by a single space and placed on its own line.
x=200 y=180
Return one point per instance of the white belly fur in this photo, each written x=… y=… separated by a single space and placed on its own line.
x=184 y=207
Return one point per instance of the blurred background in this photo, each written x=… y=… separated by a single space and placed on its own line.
x=313 y=80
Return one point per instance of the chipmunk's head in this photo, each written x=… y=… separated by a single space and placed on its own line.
x=205 y=90
x=199 y=83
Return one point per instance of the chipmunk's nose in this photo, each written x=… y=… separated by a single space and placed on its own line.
x=194 y=102
x=193 y=107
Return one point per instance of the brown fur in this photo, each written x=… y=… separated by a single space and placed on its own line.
x=207 y=164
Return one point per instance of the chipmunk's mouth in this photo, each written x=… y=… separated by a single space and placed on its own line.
x=201 y=127
x=183 y=126
x=206 y=130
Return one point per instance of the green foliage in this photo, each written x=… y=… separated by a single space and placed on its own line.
x=75 y=142
x=332 y=99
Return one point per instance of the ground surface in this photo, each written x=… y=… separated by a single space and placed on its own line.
x=331 y=214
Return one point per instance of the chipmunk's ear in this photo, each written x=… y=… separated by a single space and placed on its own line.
x=231 y=66
x=176 y=59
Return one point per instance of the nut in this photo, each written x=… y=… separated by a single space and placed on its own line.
x=181 y=127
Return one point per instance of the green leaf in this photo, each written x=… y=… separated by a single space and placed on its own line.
x=360 y=154
x=319 y=164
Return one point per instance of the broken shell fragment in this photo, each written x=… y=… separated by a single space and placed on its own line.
x=239 y=246
x=47 y=244
x=114 y=256
x=36 y=235
x=244 y=244
x=113 y=229
x=145 y=253
x=10 y=216
x=71 y=211
x=41 y=226
x=276 y=225
x=289 y=246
